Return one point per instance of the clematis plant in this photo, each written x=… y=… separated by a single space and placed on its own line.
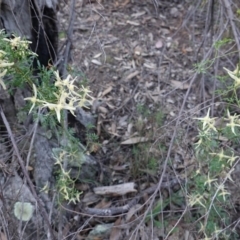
x=67 y=96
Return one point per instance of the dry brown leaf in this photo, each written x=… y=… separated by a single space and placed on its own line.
x=150 y=65
x=135 y=140
x=185 y=50
x=99 y=122
x=138 y=50
x=132 y=211
x=122 y=122
x=170 y=100
x=120 y=3
x=96 y=62
x=179 y=85
x=131 y=75
x=82 y=186
x=154 y=98
x=29 y=168
x=138 y=14
x=221 y=138
x=92 y=18
x=174 y=236
x=110 y=105
x=108 y=90
x=176 y=232
x=90 y=198
x=95 y=104
x=118 y=58
x=113 y=127
x=94 y=147
x=126 y=100
x=2 y=236
x=102 y=110
x=103 y=204
x=124 y=3
x=188 y=235
x=129 y=128
x=159 y=44
x=120 y=168
x=116 y=230
x=97 y=55
x=133 y=23
x=100 y=232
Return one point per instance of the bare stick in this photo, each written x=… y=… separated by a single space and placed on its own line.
x=227 y=5
x=115 y=211
x=69 y=38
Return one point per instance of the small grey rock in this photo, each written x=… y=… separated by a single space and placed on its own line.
x=174 y=12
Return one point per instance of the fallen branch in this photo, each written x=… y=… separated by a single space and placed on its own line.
x=116 y=190
x=109 y=212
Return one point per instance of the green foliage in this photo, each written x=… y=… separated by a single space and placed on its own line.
x=92 y=139
x=16 y=61
x=153 y=164
x=143 y=110
x=159 y=118
x=203 y=66
x=51 y=96
x=208 y=188
x=238 y=12
x=155 y=215
x=62 y=35
x=157 y=210
x=65 y=184
x=144 y=162
x=218 y=44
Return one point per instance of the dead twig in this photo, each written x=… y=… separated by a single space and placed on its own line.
x=69 y=39
x=227 y=5
x=107 y=212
